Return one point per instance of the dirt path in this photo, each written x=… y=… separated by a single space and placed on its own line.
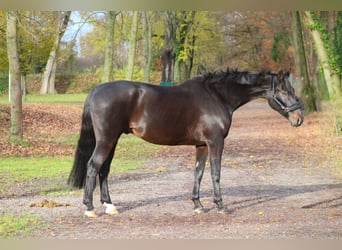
x=277 y=181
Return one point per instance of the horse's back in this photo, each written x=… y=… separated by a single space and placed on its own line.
x=140 y=93
x=158 y=114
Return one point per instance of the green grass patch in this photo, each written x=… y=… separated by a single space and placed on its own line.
x=48 y=175
x=23 y=169
x=14 y=227
x=58 y=98
x=131 y=152
x=132 y=147
x=121 y=165
x=40 y=175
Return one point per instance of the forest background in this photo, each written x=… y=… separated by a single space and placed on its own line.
x=55 y=52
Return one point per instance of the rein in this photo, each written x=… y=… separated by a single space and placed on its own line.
x=281 y=105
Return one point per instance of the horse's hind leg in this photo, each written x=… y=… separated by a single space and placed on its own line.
x=201 y=158
x=103 y=176
x=99 y=156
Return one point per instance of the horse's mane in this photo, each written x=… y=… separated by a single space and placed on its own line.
x=241 y=77
x=220 y=75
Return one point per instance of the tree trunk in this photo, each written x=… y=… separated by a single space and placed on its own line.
x=331 y=79
x=147 y=45
x=23 y=87
x=109 y=53
x=169 y=51
x=306 y=90
x=184 y=53
x=48 y=82
x=132 y=42
x=331 y=25
x=15 y=84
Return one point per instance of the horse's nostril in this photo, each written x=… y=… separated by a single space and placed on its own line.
x=300 y=121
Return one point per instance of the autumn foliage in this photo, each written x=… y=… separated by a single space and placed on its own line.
x=49 y=130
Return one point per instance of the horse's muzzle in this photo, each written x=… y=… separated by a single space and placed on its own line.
x=296 y=118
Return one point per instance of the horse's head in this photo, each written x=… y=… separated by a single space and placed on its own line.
x=282 y=98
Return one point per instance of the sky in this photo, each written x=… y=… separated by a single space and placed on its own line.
x=75 y=24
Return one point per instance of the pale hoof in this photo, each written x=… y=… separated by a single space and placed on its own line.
x=90 y=214
x=112 y=212
x=110 y=209
x=199 y=210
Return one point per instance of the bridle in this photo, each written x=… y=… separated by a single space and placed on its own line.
x=285 y=109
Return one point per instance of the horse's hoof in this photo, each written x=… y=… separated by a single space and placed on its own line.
x=113 y=212
x=223 y=210
x=91 y=214
x=199 y=210
x=111 y=209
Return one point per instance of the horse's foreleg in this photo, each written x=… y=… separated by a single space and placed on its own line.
x=215 y=154
x=103 y=176
x=95 y=163
x=201 y=158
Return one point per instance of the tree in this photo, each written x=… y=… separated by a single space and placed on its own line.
x=132 y=44
x=169 y=51
x=337 y=41
x=3 y=42
x=34 y=41
x=185 y=46
x=109 y=53
x=147 y=45
x=321 y=41
x=307 y=90
x=48 y=81
x=14 y=71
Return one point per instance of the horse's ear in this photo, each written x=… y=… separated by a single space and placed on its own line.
x=281 y=74
x=262 y=73
x=244 y=79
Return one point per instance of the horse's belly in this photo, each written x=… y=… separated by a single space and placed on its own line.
x=163 y=134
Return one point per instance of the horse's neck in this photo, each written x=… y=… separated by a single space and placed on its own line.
x=237 y=95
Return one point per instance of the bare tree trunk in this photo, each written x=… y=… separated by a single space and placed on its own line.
x=147 y=45
x=132 y=42
x=109 y=53
x=23 y=86
x=169 y=51
x=306 y=90
x=331 y=79
x=48 y=82
x=15 y=84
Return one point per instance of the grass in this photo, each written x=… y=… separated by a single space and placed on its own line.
x=14 y=226
x=130 y=146
x=24 y=169
x=41 y=174
x=130 y=154
x=51 y=99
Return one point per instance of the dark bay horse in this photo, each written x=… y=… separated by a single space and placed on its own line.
x=197 y=112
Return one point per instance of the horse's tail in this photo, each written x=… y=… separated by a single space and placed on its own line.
x=84 y=150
